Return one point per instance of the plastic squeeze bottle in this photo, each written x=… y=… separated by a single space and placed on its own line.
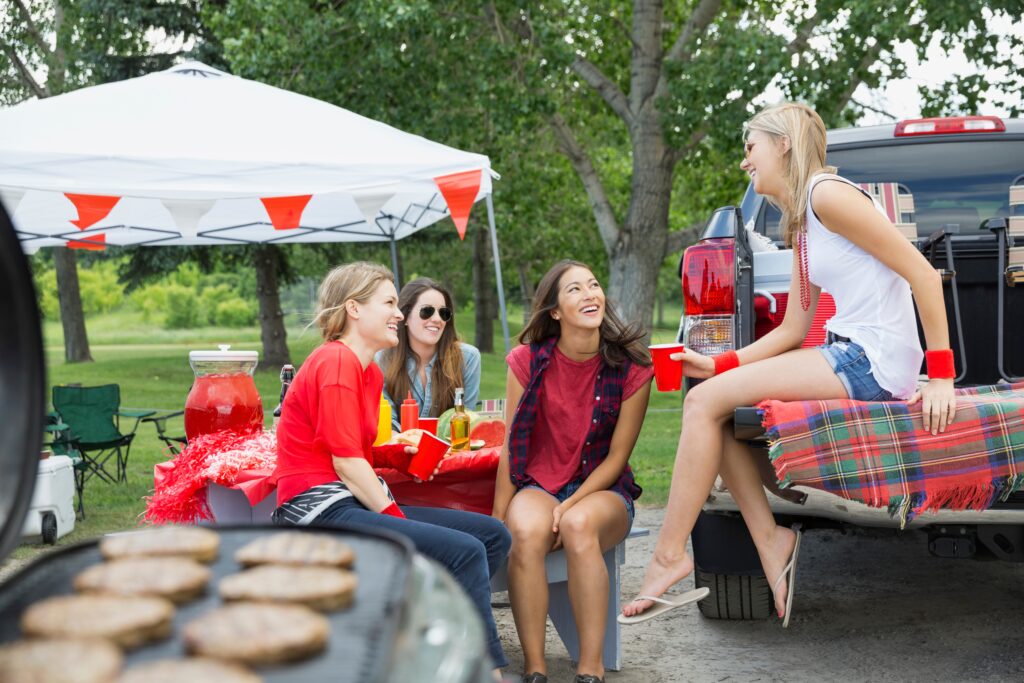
x=410 y=413
x=383 y=423
x=460 y=424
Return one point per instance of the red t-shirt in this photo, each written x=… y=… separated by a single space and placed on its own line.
x=563 y=412
x=331 y=409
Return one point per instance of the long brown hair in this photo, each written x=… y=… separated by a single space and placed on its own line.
x=447 y=372
x=619 y=341
x=354 y=281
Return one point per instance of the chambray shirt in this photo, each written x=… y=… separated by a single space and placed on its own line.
x=423 y=394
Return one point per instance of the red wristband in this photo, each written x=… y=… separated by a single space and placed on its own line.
x=393 y=510
x=726 y=361
x=940 y=364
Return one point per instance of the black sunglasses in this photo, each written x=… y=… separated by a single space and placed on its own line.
x=427 y=312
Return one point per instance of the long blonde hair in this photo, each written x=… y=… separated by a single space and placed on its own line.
x=447 y=372
x=805 y=158
x=354 y=281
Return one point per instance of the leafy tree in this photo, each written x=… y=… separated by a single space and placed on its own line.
x=54 y=46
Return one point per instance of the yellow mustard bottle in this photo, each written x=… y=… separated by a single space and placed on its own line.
x=460 y=424
x=383 y=423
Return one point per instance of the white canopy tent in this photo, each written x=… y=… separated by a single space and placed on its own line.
x=195 y=156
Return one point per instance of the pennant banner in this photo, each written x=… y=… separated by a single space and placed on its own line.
x=187 y=213
x=371 y=200
x=286 y=212
x=11 y=198
x=95 y=242
x=92 y=208
x=459 y=191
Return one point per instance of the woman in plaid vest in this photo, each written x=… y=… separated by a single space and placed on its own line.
x=576 y=398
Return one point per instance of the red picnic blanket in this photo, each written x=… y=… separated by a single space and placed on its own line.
x=877 y=453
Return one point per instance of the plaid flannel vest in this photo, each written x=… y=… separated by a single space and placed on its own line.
x=604 y=417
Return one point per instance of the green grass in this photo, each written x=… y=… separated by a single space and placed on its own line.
x=151 y=365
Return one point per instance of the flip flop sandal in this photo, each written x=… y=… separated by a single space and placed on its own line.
x=789 y=573
x=664 y=604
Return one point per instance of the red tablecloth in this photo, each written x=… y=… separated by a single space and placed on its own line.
x=465 y=482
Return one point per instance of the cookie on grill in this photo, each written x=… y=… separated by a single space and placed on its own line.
x=125 y=621
x=322 y=588
x=255 y=633
x=169 y=541
x=191 y=670
x=59 y=660
x=297 y=548
x=178 y=579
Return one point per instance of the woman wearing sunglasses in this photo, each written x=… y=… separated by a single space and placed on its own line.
x=429 y=360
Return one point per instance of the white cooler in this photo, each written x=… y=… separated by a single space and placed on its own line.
x=52 y=512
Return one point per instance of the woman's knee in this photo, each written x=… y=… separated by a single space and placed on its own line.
x=529 y=529
x=578 y=530
x=703 y=404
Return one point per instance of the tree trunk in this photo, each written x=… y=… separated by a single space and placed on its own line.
x=635 y=260
x=76 y=342
x=482 y=292
x=272 y=331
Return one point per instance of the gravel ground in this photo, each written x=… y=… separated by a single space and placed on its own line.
x=866 y=609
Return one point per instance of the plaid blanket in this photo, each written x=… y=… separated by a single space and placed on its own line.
x=877 y=453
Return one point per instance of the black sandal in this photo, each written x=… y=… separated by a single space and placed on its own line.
x=535 y=677
x=587 y=678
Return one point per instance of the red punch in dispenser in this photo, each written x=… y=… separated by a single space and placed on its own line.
x=410 y=413
x=223 y=396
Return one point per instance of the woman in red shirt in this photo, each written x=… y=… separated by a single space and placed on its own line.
x=577 y=393
x=326 y=458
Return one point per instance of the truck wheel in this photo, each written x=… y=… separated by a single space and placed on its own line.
x=734 y=596
x=728 y=565
x=49 y=526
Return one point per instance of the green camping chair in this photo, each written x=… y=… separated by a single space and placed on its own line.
x=94 y=416
x=62 y=443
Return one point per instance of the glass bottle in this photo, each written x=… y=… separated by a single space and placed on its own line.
x=287 y=375
x=460 y=424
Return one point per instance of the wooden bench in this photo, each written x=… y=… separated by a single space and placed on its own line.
x=560 y=609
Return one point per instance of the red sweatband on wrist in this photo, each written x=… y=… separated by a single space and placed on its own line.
x=393 y=510
x=726 y=361
x=940 y=364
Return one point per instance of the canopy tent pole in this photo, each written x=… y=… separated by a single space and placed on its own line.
x=497 y=273
x=394 y=260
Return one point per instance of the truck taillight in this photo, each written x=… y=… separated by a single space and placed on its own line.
x=951 y=124
x=709 y=300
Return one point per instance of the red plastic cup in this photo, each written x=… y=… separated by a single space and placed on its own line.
x=668 y=373
x=429 y=424
x=431 y=451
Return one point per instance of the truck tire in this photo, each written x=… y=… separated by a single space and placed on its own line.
x=734 y=596
x=49 y=528
x=728 y=565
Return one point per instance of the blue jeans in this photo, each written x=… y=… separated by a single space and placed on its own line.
x=851 y=365
x=471 y=546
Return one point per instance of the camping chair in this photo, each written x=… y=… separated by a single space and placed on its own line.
x=62 y=443
x=174 y=443
x=898 y=203
x=94 y=416
x=1011 y=265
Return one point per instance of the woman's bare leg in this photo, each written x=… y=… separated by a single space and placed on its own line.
x=796 y=375
x=529 y=521
x=588 y=530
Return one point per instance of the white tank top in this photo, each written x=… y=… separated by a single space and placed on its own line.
x=874 y=306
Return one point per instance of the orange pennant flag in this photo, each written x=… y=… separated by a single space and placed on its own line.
x=459 y=191
x=92 y=208
x=97 y=242
x=286 y=212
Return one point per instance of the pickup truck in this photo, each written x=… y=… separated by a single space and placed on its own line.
x=955 y=187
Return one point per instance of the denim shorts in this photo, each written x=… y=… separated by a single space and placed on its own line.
x=574 y=486
x=851 y=365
